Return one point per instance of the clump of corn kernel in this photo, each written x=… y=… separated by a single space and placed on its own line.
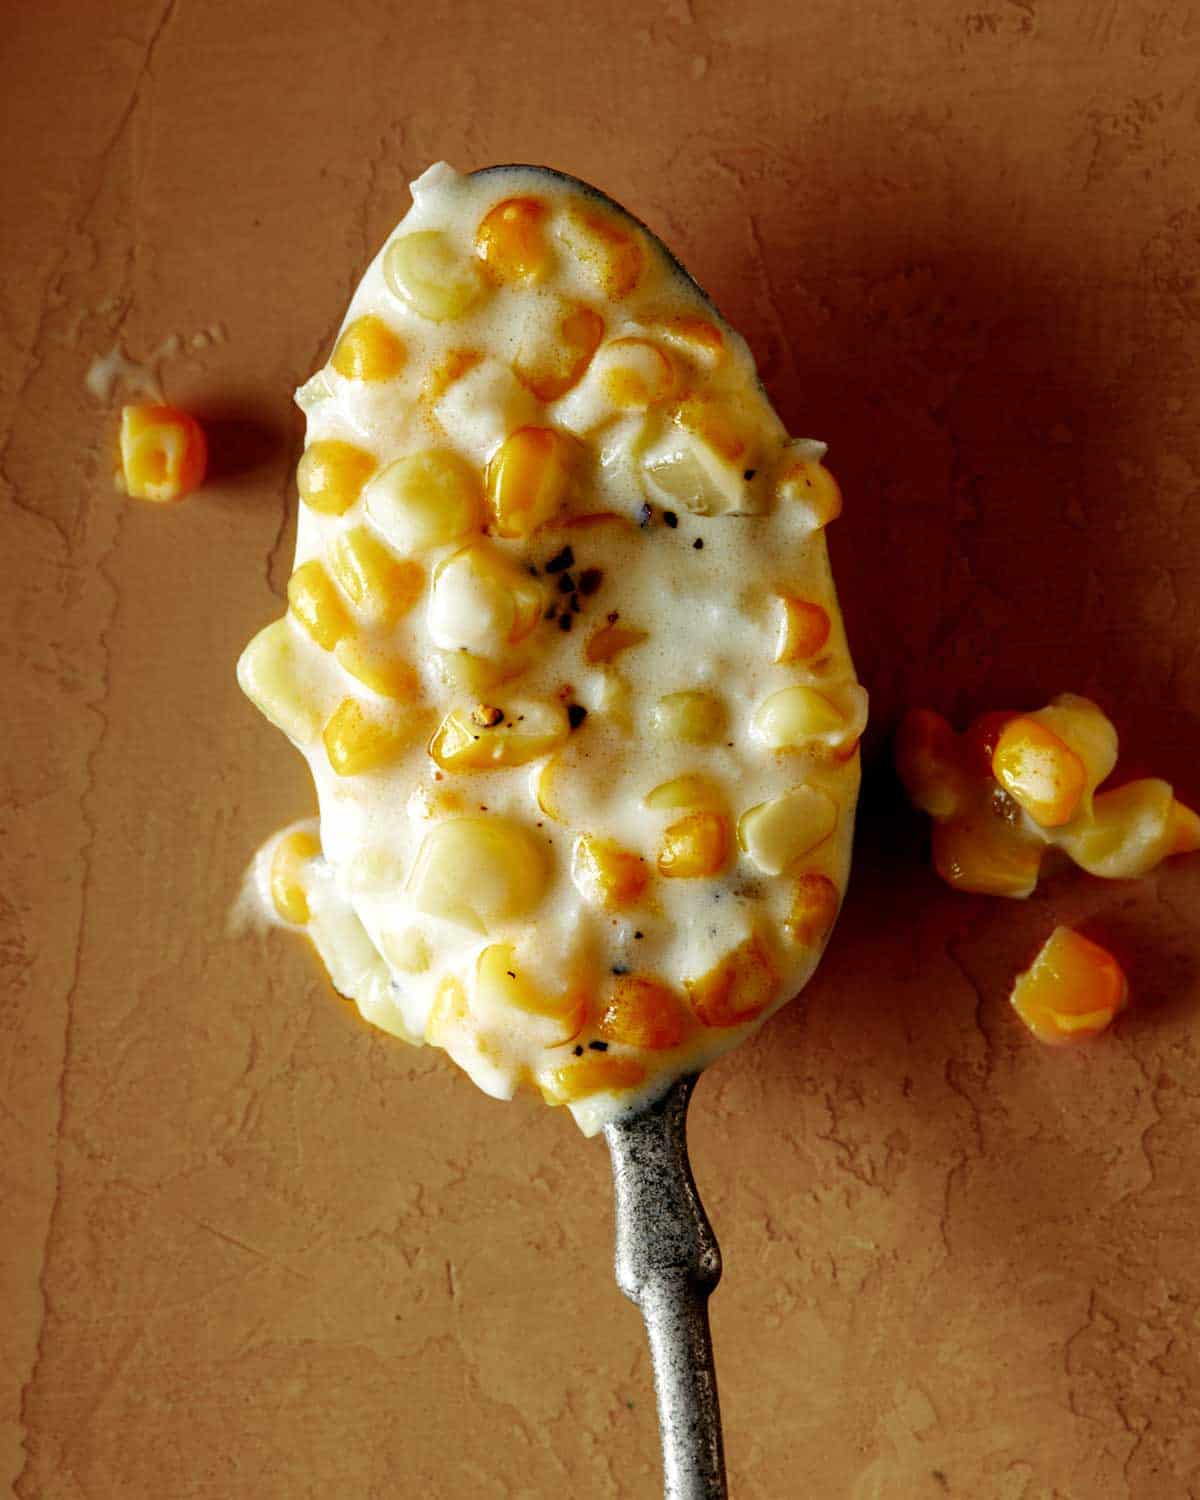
x=163 y=453
x=1072 y=991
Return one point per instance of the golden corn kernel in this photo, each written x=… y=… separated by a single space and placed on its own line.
x=448 y=1013
x=529 y=477
x=594 y=1073
x=288 y=864
x=776 y=834
x=551 y=372
x=426 y=500
x=986 y=856
x=803 y=629
x=608 y=250
x=807 y=482
x=643 y=1012
x=427 y=271
x=692 y=716
x=486 y=737
x=380 y=584
x=483 y=601
x=610 y=640
x=691 y=790
x=163 y=453
x=471 y=675
x=814 y=909
x=356 y=741
x=1071 y=991
x=608 y=875
x=1086 y=730
x=511 y=241
x=331 y=475
x=635 y=374
x=478 y=871
x=929 y=763
x=368 y=350
x=269 y=675
x=502 y=987
x=710 y=418
x=1132 y=829
x=696 y=846
x=1039 y=771
x=383 y=673
x=314 y=601
x=737 y=989
x=795 y=717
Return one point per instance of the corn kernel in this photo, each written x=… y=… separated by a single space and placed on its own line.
x=368 y=350
x=807 y=482
x=1132 y=829
x=425 y=500
x=501 y=987
x=268 y=673
x=635 y=374
x=448 y=1013
x=608 y=875
x=776 y=834
x=379 y=584
x=711 y=419
x=331 y=475
x=472 y=675
x=291 y=858
x=796 y=717
x=314 y=601
x=1184 y=830
x=803 y=630
x=696 y=846
x=1039 y=771
x=695 y=717
x=468 y=739
x=814 y=909
x=356 y=741
x=482 y=601
x=478 y=871
x=691 y=790
x=610 y=640
x=387 y=675
x=551 y=372
x=163 y=453
x=594 y=1073
x=643 y=1012
x=511 y=241
x=1071 y=991
x=697 y=337
x=607 y=249
x=1086 y=730
x=928 y=762
x=737 y=989
x=529 y=478
x=986 y=856
x=429 y=273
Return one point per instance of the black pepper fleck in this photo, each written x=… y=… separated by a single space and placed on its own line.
x=566 y=584
x=575 y=604
x=613 y=616
x=620 y=968
x=578 y=1051
x=589 y=580
x=511 y=974
x=560 y=560
x=576 y=713
x=598 y=1046
x=671 y=519
x=749 y=474
x=698 y=543
x=644 y=515
x=565 y=621
x=639 y=935
x=551 y=612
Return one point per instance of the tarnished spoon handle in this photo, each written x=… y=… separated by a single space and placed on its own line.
x=668 y=1262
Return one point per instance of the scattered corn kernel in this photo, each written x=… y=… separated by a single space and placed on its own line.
x=163 y=453
x=814 y=909
x=611 y=639
x=594 y=1073
x=803 y=630
x=1071 y=991
x=551 y=371
x=692 y=716
x=511 y=240
x=796 y=717
x=291 y=858
x=269 y=674
x=483 y=601
x=776 y=834
x=478 y=871
x=929 y=764
x=377 y=582
x=696 y=846
x=427 y=271
x=368 y=350
x=357 y=741
x=608 y=875
x=331 y=475
x=529 y=478
x=524 y=730
x=314 y=601
x=806 y=481
x=425 y=500
x=389 y=676
x=607 y=249
x=643 y=1012
x=1039 y=771
x=691 y=790
x=986 y=856
x=737 y=989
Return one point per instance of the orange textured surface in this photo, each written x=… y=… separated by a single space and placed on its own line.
x=251 y=1248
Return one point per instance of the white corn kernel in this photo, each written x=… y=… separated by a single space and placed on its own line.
x=270 y=676
x=483 y=602
x=429 y=273
x=799 y=717
x=479 y=410
x=692 y=716
x=478 y=872
x=425 y=500
x=776 y=834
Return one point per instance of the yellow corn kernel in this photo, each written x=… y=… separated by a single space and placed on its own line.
x=1184 y=830
x=803 y=629
x=163 y=453
x=643 y=1012
x=486 y=737
x=331 y=475
x=425 y=500
x=607 y=249
x=695 y=847
x=472 y=675
x=635 y=374
x=1132 y=829
x=269 y=676
x=1039 y=771
x=288 y=864
x=795 y=717
x=694 y=717
x=502 y=987
x=1089 y=732
x=387 y=675
x=529 y=477
x=478 y=871
x=594 y=1073
x=807 y=482
x=710 y=418
x=986 y=856
x=814 y=909
x=608 y=875
x=776 y=834
x=1071 y=991
x=356 y=741
x=448 y=1014
x=368 y=350
x=314 y=601
x=511 y=241
x=407 y=951
x=380 y=584
x=691 y=790
x=551 y=372
x=699 y=338
x=483 y=601
x=611 y=639
x=929 y=763
x=427 y=271
x=737 y=989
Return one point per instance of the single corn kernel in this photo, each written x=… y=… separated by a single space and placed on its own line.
x=501 y=988
x=929 y=763
x=356 y=741
x=610 y=640
x=427 y=271
x=529 y=477
x=488 y=738
x=807 y=482
x=384 y=587
x=291 y=858
x=482 y=601
x=698 y=338
x=314 y=601
x=331 y=475
x=1039 y=771
x=478 y=871
x=814 y=909
x=695 y=847
x=691 y=790
x=796 y=717
x=776 y=834
x=702 y=462
x=387 y=675
x=712 y=419
x=803 y=630
x=425 y=500
x=608 y=875
x=1184 y=830
x=643 y=1012
x=986 y=856
x=270 y=676
x=163 y=453
x=608 y=250
x=368 y=350
x=737 y=989
x=550 y=372
x=470 y=675
x=1131 y=830
x=1071 y=991
x=594 y=1073
x=692 y=716
x=635 y=373
x=511 y=241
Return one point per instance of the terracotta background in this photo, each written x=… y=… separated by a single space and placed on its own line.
x=250 y=1248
